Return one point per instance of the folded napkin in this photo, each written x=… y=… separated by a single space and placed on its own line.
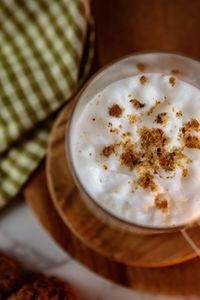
x=42 y=47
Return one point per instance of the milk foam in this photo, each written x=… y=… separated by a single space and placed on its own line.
x=115 y=186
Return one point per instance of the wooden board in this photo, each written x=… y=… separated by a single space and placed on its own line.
x=122 y=27
x=115 y=243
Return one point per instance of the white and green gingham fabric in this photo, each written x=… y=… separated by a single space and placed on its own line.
x=42 y=45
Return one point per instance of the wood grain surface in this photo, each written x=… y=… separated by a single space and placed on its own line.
x=123 y=27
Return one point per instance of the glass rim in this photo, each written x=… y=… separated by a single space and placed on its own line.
x=115 y=218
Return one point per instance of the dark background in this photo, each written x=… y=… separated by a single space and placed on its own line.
x=125 y=26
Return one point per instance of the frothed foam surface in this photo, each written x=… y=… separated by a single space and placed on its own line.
x=136 y=150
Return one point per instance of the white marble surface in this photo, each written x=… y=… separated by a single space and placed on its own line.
x=22 y=236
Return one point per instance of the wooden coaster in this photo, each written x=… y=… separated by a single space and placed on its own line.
x=180 y=279
x=120 y=245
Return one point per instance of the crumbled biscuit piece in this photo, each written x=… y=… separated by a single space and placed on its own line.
x=143 y=79
x=192 y=142
x=152 y=137
x=108 y=150
x=192 y=125
x=161 y=203
x=175 y=71
x=169 y=160
x=137 y=104
x=116 y=111
x=172 y=81
x=162 y=118
x=179 y=114
x=146 y=181
x=105 y=167
x=129 y=158
x=126 y=134
x=184 y=172
x=157 y=103
x=133 y=118
x=114 y=130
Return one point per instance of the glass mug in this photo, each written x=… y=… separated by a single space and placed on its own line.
x=183 y=67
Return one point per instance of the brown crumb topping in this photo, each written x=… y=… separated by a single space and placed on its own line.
x=143 y=79
x=192 y=125
x=162 y=118
x=105 y=167
x=152 y=154
x=184 y=172
x=172 y=81
x=152 y=137
x=133 y=118
x=192 y=142
x=126 y=134
x=108 y=150
x=153 y=108
x=141 y=67
x=175 y=71
x=179 y=114
x=129 y=158
x=116 y=111
x=169 y=160
x=146 y=181
x=137 y=104
x=161 y=203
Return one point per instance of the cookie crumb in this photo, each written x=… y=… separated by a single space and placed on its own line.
x=133 y=118
x=153 y=108
x=137 y=104
x=161 y=203
x=146 y=181
x=105 y=167
x=143 y=79
x=184 y=172
x=116 y=111
x=172 y=81
x=108 y=150
x=179 y=114
x=162 y=118
x=175 y=71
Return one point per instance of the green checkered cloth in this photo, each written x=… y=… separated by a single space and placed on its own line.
x=42 y=47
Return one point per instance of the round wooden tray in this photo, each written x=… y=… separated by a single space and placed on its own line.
x=182 y=279
x=120 y=245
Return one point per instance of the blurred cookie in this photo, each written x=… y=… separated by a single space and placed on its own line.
x=46 y=288
x=11 y=277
